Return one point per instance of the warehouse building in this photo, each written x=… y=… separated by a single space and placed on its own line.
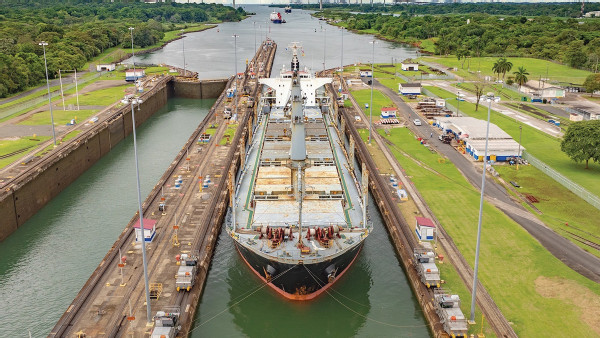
x=471 y=133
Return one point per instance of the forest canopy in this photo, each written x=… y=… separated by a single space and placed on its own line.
x=77 y=31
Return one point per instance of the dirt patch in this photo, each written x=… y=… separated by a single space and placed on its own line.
x=571 y=292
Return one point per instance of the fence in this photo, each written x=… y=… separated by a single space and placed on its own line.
x=567 y=183
x=26 y=105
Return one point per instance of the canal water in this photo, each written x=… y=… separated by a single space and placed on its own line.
x=44 y=264
x=211 y=53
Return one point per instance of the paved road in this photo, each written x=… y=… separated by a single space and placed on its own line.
x=531 y=121
x=577 y=259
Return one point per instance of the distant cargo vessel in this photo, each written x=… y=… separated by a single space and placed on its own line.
x=276 y=18
x=299 y=216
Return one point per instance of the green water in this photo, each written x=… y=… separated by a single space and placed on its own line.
x=44 y=264
x=373 y=299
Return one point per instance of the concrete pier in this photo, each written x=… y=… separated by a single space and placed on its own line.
x=112 y=302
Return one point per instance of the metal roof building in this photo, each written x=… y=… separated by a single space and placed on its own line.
x=501 y=146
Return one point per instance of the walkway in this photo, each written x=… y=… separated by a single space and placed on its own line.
x=576 y=258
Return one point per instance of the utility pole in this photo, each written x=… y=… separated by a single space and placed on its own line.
x=372 y=82
x=489 y=97
x=44 y=44
x=183 y=46
x=235 y=93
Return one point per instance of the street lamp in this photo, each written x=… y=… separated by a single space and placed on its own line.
x=44 y=44
x=519 y=153
x=324 y=46
x=342 y=59
x=490 y=97
x=235 y=36
x=372 y=80
x=133 y=101
x=133 y=55
x=183 y=46
x=457 y=102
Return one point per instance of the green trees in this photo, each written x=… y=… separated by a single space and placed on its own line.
x=582 y=141
x=592 y=83
x=502 y=66
x=568 y=41
x=79 y=30
x=521 y=76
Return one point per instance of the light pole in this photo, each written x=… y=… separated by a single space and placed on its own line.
x=342 y=58
x=324 y=46
x=235 y=93
x=139 y=195
x=133 y=55
x=489 y=98
x=44 y=44
x=183 y=46
x=372 y=80
x=457 y=102
x=519 y=153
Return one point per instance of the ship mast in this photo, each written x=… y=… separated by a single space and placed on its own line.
x=298 y=144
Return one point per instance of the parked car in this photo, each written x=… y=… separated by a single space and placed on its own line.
x=417 y=122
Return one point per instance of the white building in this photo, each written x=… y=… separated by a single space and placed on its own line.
x=364 y=72
x=410 y=66
x=106 y=67
x=409 y=88
x=471 y=131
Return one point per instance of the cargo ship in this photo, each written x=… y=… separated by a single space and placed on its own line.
x=298 y=216
x=276 y=18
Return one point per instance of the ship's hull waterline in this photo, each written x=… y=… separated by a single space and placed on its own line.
x=299 y=282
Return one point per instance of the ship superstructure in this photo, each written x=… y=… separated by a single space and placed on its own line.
x=299 y=216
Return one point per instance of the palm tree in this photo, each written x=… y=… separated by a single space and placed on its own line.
x=497 y=68
x=521 y=76
x=506 y=67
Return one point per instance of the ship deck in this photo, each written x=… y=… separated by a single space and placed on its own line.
x=264 y=194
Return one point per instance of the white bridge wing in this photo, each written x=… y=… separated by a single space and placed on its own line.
x=309 y=87
x=282 y=89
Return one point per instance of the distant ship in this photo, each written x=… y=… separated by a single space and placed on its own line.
x=287 y=9
x=299 y=216
x=276 y=18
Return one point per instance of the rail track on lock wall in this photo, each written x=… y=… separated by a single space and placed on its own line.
x=97 y=279
x=395 y=222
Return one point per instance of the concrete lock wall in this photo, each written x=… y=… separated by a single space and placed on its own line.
x=25 y=197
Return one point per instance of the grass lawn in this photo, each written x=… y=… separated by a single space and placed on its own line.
x=120 y=74
x=504 y=93
x=428 y=45
x=60 y=117
x=228 y=134
x=521 y=276
x=539 y=144
x=535 y=68
x=8 y=146
x=448 y=273
x=379 y=100
x=102 y=97
x=557 y=204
